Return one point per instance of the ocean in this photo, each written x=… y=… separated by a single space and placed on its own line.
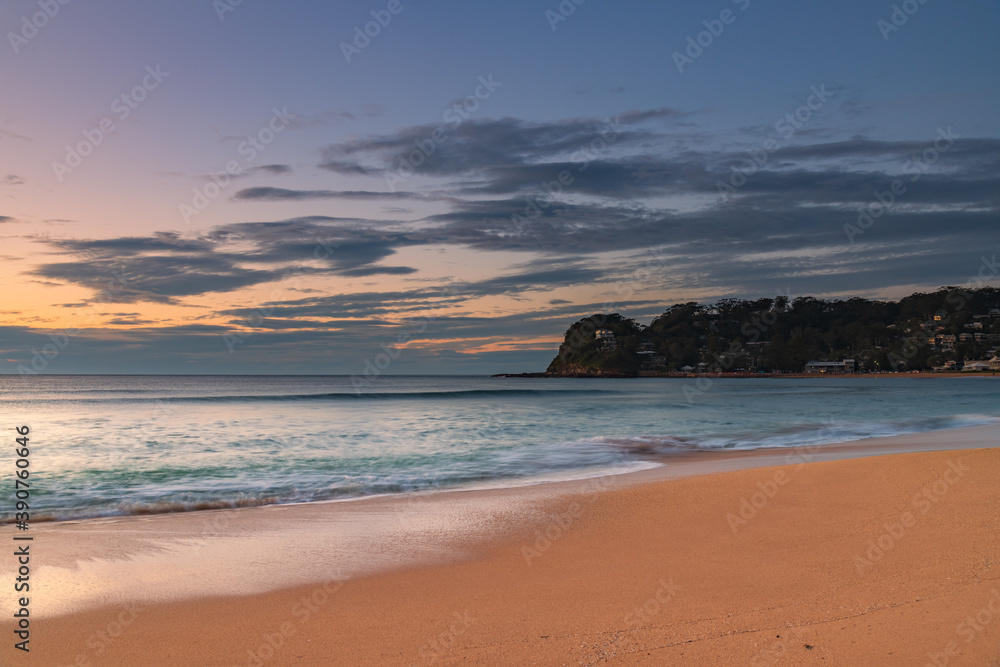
x=118 y=445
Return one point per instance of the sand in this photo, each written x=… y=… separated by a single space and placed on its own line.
x=889 y=560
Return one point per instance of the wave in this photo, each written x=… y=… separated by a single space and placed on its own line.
x=368 y=486
x=342 y=396
x=160 y=490
x=798 y=435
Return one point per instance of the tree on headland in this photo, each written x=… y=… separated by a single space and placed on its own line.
x=783 y=334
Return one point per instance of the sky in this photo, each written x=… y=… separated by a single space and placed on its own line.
x=409 y=187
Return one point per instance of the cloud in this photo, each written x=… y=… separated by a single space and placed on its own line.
x=652 y=187
x=155 y=278
x=303 y=121
x=378 y=271
x=389 y=303
x=272 y=169
x=591 y=89
x=355 y=305
x=533 y=281
x=7 y=134
x=663 y=113
x=334 y=117
x=481 y=144
x=129 y=321
x=284 y=194
x=902 y=151
x=13 y=179
x=168 y=266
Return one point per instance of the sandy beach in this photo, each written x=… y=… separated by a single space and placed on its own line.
x=798 y=557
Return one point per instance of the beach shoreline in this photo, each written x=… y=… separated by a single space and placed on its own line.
x=493 y=550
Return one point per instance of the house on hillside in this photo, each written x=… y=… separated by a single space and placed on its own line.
x=606 y=338
x=652 y=363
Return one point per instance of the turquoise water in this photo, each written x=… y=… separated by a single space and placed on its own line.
x=108 y=445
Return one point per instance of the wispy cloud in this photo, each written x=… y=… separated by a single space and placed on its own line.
x=285 y=194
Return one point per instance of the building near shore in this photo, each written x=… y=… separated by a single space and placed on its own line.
x=831 y=367
x=976 y=366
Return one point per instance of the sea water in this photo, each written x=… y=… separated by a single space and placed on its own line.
x=116 y=445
